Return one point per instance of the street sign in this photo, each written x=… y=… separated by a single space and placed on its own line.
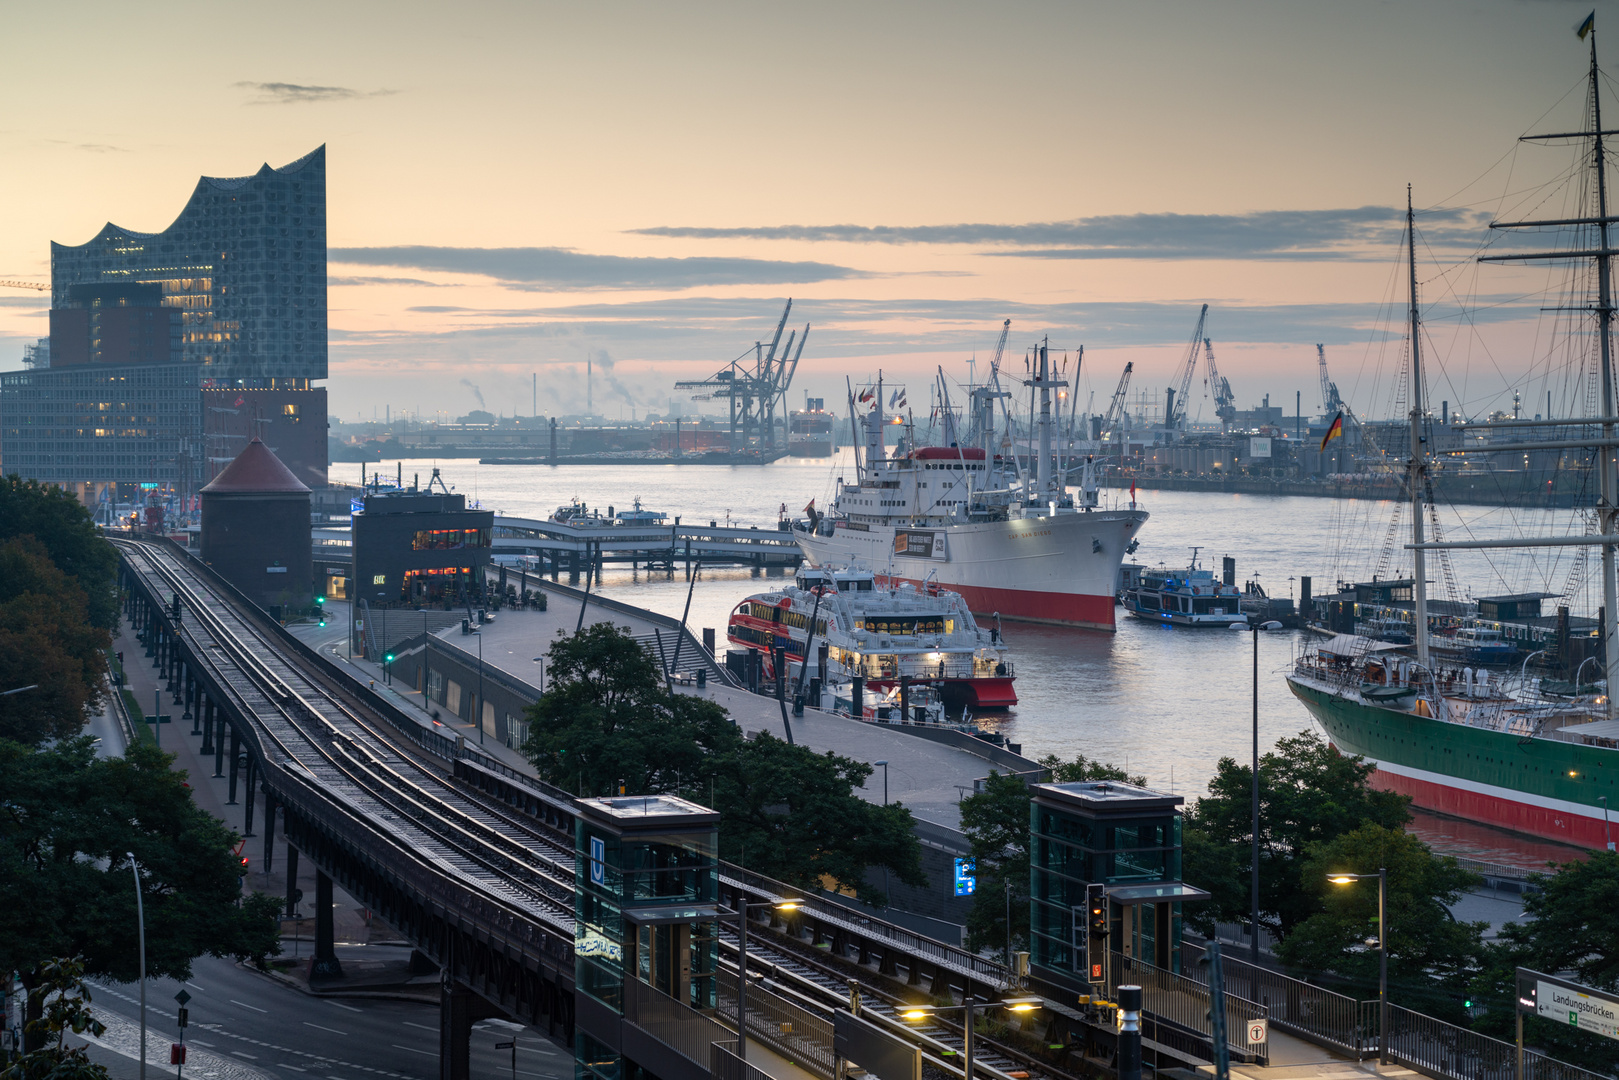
x=506 y=1045
x=1571 y=1003
x=966 y=877
x=182 y=997
x=1258 y=1032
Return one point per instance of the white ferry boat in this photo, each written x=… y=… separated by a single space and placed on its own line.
x=879 y=630
x=1190 y=597
x=1014 y=542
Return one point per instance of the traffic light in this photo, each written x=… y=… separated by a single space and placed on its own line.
x=1096 y=910
x=320 y=601
x=388 y=659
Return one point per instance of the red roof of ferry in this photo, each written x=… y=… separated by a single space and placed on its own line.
x=949 y=453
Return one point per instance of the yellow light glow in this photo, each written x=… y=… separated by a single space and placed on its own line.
x=915 y=1014
x=1022 y=1007
x=1341 y=880
x=787 y=905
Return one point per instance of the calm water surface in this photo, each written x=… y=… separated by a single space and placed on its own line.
x=1166 y=702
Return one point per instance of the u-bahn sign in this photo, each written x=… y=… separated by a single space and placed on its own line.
x=1570 y=1003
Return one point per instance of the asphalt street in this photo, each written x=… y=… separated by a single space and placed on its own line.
x=245 y=1025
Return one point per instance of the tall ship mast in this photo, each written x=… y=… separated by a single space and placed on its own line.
x=971 y=516
x=1534 y=756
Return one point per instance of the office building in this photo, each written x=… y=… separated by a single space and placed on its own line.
x=418 y=547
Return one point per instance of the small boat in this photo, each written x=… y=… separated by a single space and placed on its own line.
x=1190 y=597
x=1387 y=628
x=639 y=516
x=881 y=631
x=1474 y=645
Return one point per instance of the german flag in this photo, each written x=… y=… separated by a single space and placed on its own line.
x=1333 y=432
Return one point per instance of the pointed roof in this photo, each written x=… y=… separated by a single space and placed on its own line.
x=256 y=471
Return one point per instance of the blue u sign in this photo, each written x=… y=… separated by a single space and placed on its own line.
x=598 y=859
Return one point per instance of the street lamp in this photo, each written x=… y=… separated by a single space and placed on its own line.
x=1253 y=894
x=540 y=660
x=479 y=718
x=741 y=913
x=1382 y=877
x=969 y=1006
x=1607 y=833
x=884 y=764
x=140 y=919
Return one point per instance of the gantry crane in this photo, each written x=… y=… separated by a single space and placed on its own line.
x=757 y=392
x=1225 y=405
x=1175 y=398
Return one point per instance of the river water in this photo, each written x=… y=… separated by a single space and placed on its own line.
x=1165 y=702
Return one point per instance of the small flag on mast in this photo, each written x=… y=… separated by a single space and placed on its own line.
x=1586 y=25
x=1333 y=432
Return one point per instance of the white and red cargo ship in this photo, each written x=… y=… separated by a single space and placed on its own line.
x=1016 y=544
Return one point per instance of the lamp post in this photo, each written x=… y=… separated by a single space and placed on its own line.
x=1253 y=891
x=540 y=660
x=1607 y=833
x=140 y=919
x=479 y=718
x=969 y=1006
x=741 y=913
x=1382 y=877
x=884 y=764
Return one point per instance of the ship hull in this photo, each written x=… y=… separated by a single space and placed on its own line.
x=1538 y=787
x=1061 y=570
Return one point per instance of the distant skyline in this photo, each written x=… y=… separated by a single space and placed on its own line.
x=515 y=187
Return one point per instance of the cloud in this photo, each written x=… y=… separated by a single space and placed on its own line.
x=92 y=147
x=559 y=269
x=1363 y=232
x=283 y=93
x=393 y=281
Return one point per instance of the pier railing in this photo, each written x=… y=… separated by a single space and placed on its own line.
x=1311 y=1012
x=1179 y=1007
x=1436 y=1048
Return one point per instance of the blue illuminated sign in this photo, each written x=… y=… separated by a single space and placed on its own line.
x=598 y=858
x=966 y=877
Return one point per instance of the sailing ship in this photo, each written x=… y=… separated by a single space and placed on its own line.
x=1013 y=541
x=1493 y=747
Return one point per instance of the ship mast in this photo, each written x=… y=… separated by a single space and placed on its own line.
x=1607 y=463
x=1417 y=468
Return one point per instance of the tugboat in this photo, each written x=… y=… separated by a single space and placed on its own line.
x=1190 y=597
x=879 y=630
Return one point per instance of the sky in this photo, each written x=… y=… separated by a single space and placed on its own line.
x=513 y=188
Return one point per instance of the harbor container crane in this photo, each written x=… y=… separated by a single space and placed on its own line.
x=757 y=392
x=1225 y=405
x=1113 y=420
x=1331 y=403
x=1175 y=398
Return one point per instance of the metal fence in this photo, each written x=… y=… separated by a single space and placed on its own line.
x=1300 y=1008
x=788 y=1028
x=678 y=1026
x=1183 y=1003
x=725 y=1065
x=1440 y=1049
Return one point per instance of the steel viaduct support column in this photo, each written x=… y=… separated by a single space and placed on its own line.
x=235 y=758
x=250 y=791
x=219 y=744
x=205 y=712
x=293 y=893
x=324 y=965
x=455 y=1019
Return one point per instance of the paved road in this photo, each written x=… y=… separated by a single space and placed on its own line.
x=248 y=1026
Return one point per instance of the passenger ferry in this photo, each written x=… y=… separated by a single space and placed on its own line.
x=880 y=630
x=1190 y=597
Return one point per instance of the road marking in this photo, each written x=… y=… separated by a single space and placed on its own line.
x=350 y=1008
x=250 y=1057
x=413 y=1050
x=294 y=1068
x=194 y=986
x=424 y=1027
x=245 y=1005
x=199 y=1042
x=319 y=1027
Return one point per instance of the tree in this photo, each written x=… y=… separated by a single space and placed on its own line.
x=1430 y=954
x=61 y=1004
x=57 y=519
x=1308 y=794
x=785 y=811
x=1571 y=926
x=46 y=640
x=68 y=820
x=996 y=823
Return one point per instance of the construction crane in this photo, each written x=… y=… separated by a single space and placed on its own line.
x=1331 y=403
x=1175 y=399
x=1225 y=405
x=36 y=286
x=1113 y=420
x=757 y=391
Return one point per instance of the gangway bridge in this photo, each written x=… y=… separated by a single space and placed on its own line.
x=474 y=862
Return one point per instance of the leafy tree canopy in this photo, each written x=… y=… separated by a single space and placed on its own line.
x=1428 y=950
x=68 y=821
x=785 y=811
x=996 y=823
x=59 y=1003
x=58 y=520
x=48 y=641
x=1308 y=794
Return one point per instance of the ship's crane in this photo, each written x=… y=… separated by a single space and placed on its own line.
x=757 y=392
x=1175 y=398
x=1330 y=401
x=1225 y=405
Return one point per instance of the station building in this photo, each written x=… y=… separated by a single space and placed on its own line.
x=1115 y=845
x=256 y=532
x=418 y=547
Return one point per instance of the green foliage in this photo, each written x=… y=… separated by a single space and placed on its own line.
x=59 y=521
x=58 y=1003
x=1430 y=954
x=996 y=823
x=67 y=820
x=48 y=641
x=786 y=811
x=1308 y=794
x=1571 y=928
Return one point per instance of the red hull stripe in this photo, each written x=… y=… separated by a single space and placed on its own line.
x=1522 y=817
x=1065 y=609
